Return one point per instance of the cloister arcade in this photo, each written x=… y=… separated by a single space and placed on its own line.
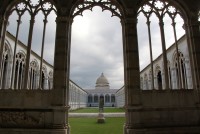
x=173 y=71
x=42 y=111
x=109 y=99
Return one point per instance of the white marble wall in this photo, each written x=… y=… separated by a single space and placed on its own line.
x=158 y=66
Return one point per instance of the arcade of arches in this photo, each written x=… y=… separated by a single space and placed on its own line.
x=39 y=111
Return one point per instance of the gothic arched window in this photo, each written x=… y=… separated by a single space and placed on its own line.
x=181 y=75
x=113 y=98
x=36 y=18
x=19 y=71
x=33 y=74
x=160 y=24
x=107 y=98
x=90 y=98
x=5 y=71
x=44 y=78
x=96 y=98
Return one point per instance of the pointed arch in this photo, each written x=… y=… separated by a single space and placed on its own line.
x=111 y=5
x=180 y=70
x=6 y=66
x=33 y=74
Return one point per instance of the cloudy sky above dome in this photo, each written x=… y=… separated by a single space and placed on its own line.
x=96 y=44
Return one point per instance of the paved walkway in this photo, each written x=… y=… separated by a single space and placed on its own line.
x=96 y=114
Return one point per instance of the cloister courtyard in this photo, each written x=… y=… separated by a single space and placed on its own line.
x=87 y=124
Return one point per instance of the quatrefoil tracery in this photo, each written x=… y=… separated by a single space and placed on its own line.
x=33 y=7
x=89 y=4
x=160 y=8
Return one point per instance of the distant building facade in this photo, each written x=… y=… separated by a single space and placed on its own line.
x=102 y=91
x=179 y=69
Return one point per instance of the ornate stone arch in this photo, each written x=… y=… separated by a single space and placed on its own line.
x=180 y=70
x=6 y=66
x=111 y=5
x=34 y=64
x=19 y=69
x=179 y=4
x=33 y=74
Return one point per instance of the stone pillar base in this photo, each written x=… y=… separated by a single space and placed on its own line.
x=33 y=131
x=101 y=118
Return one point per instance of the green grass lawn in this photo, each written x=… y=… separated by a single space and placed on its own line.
x=90 y=126
x=96 y=110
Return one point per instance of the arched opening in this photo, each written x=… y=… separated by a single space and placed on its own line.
x=19 y=71
x=96 y=47
x=164 y=33
x=36 y=19
x=107 y=98
x=33 y=75
x=98 y=43
x=96 y=98
x=90 y=98
x=181 y=71
x=6 y=66
x=113 y=98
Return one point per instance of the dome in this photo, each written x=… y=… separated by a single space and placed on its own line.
x=102 y=82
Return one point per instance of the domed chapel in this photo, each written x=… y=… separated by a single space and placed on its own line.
x=102 y=90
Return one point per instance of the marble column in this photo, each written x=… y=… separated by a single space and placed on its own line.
x=61 y=71
x=28 y=55
x=164 y=55
x=131 y=72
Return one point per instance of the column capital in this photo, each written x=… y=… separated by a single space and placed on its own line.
x=129 y=20
x=64 y=19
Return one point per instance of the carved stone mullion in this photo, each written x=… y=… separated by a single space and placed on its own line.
x=162 y=32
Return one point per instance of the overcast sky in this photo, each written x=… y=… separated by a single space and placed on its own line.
x=96 y=44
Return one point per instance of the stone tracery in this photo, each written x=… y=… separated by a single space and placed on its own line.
x=160 y=8
x=33 y=7
x=89 y=4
